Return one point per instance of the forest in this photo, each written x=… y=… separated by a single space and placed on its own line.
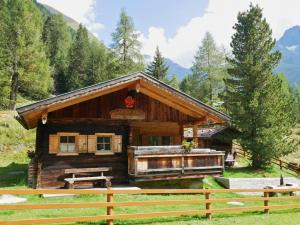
x=42 y=56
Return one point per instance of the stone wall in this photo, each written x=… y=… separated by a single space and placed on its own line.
x=254 y=183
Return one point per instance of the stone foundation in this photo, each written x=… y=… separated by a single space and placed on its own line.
x=32 y=173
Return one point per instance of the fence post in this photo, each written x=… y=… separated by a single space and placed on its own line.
x=109 y=208
x=207 y=205
x=266 y=201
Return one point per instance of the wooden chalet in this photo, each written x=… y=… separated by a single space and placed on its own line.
x=133 y=125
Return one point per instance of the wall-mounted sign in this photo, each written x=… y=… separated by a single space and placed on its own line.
x=188 y=132
x=127 y=114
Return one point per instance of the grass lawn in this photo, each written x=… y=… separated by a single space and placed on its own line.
x=285 y=217
x=15 y=141
x=245 y=171
x=275 y=217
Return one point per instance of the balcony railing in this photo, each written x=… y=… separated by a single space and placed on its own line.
x=173 y=162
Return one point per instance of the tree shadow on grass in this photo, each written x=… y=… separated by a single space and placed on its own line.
x=13 y=175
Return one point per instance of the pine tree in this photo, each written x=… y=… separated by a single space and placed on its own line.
x=260 y=107
x=57 y=37
x=209 y=70
x=126 y=44
x=158 y=67
x=22 y=53
x=173 y=82
x=77 y=72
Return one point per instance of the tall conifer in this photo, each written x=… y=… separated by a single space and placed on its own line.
x=208 y=70
x=22 y=53
x=158 y=67
x=260 y=108
x=126 y=44
x=77 y=73
x=57 y=37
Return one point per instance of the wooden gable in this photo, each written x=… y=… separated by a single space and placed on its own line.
x=102 y=106
x=159 y=101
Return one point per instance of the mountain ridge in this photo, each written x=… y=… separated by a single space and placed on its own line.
x=289 y=46
x=73 y=24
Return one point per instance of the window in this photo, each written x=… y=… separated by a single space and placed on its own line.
x=153 y=140
x=67 y=144
x=160 y=140
x=104 y=143
x=166 y=140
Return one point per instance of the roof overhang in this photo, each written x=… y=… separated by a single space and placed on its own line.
x=29 y=115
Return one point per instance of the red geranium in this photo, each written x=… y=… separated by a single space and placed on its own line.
x=129 y=102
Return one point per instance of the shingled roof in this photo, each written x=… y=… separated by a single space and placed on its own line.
x=28 y=114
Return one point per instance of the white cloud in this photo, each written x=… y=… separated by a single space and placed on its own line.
x=219 y=19
x=80 y=10
x=292 y=48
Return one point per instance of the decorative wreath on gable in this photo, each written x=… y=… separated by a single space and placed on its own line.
x=129 y=102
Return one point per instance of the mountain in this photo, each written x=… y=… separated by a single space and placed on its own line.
x=48 y=10
x=174 y=68
x=289 y=46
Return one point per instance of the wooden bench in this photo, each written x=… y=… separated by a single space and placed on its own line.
x=70 y=181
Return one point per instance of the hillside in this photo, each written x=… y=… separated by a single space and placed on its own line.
x=48 y=10
x=15 y=141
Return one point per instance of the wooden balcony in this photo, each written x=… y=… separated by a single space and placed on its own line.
x=173 y=162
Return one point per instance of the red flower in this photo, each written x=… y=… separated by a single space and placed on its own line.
x=129 y=102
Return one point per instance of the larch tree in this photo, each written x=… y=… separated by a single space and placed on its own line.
x=190 y=85
x=57 y=38
x=126 y=44
x=77 y=72
x=22 y=53
x=158 y=68
x=208 y=70
x=256 y=99
x=102 y=63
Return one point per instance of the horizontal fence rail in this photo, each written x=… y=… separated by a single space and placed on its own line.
x=207 y=200
x=281 y=163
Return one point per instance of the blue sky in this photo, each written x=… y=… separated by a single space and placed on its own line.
x=157 y=13
x=176 y=26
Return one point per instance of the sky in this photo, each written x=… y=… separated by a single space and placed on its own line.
x=175 y=26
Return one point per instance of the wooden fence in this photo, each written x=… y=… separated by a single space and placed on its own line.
x=281 y=163
x=208 y=200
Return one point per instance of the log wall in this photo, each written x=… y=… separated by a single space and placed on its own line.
x=53 y=166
